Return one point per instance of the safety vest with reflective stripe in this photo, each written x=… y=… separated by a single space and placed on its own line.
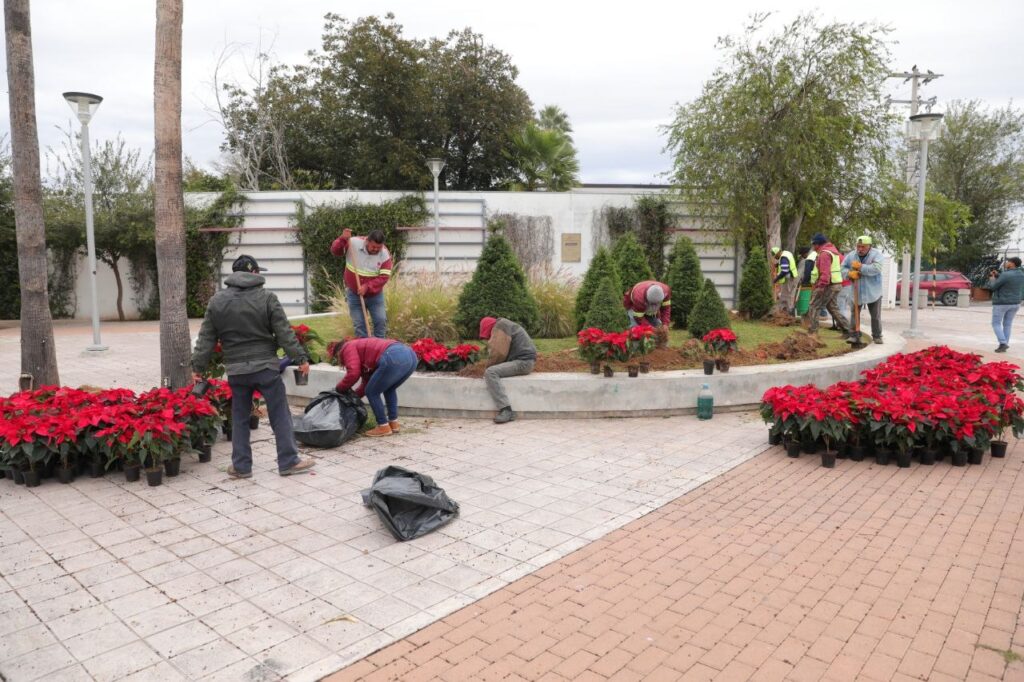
x=788 y=257
x=365 y=264
x=836 y=268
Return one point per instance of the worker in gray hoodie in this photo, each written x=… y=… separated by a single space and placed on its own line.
x=251 y=325
x=1006 y=287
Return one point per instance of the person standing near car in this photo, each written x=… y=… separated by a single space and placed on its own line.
x=367 y=269
x=251 y=325
x=1006 y=288
x=863 y=266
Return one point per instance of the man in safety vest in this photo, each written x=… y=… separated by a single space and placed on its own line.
x=649 y=303
x=827 y=280
x=367 y=270
x=786 y=273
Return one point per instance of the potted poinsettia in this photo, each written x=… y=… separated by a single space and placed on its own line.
x=590 y=348
x=642 y=340
x=306 y=336
x=719 y=343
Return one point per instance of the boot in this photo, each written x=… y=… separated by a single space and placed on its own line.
x=382 y=430
x=395 y=426
x=504 y=416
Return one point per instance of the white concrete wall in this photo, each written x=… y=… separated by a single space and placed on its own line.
x=106 y=291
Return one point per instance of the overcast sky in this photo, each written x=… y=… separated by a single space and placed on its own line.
x=617 y=69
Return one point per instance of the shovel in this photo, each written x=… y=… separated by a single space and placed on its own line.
x=854 y=339
x=362 y=301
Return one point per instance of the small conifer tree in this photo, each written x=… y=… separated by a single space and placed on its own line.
x=685 y=279
x=708 y=312
x=631 y=261
x=606 y=310
x=601 y=265
x=497 y=289
x=755 y=286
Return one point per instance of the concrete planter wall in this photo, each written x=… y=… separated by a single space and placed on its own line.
x=575 y=395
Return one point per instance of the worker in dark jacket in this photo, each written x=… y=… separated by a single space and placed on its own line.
x=251 y=325
x=1006 y=287
x=510 y=353
x=380 y=366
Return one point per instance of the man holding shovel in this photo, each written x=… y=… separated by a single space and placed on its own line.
x=863 y=266
x=367 y=269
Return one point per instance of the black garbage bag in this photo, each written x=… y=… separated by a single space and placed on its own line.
x=330 y=419
x=409 y=503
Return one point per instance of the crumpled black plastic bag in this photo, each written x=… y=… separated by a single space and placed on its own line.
x=409 y=503
x=330 y=419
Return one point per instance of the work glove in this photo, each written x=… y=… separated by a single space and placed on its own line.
x=855 y=265
x=854 y=275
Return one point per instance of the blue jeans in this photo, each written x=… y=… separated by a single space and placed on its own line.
x=375 y=306
x=396 y=364
x=268 y=382
x=1002 y=321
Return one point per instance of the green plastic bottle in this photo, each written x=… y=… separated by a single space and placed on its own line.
x=705 y=403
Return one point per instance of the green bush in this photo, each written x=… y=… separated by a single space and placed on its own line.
x=685 y=279
x=631 y=261
x=556 y=300
x=755 y=286
x=204 y=251
x=606 y=311
x=321 y=226
x=601 y=265
x=654 y=222
x=497 y=289
x=708 y=312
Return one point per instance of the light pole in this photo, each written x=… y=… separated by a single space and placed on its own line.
x=436 y=166
x=923 y=127
x=84 y=105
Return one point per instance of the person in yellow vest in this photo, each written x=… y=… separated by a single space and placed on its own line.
x=367 y=269
x=786 y=275
x=827 y=280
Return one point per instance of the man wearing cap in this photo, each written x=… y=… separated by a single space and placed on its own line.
x=510 y=353
x=827 y=280
x=251 y=325
x=367 y=270
x=863 y=266
x=1007 y=288
x=785 y=268
x=652 y=301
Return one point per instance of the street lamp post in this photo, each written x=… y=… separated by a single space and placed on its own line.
x=84 y=105
x=436 y=166
x=923 y=127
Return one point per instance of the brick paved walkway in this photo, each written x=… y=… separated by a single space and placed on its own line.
x=779 y=569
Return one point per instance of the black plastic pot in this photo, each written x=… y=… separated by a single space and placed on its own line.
x=856 y=453
x=95 y=468
x=19 y=476
x=254 y=422
x=927 y=456
x=828 y=459
x=3 y=473
x=709 y=366
x=608 y=371
x=32 y=478
x=300 y=378
x=959 y=458
x=903 y=458
x=172 y=467
x=843 y=451
x=774 y=438
x=810 y=447
x=154 y=476
x=793 y=448
x=65 y=475
x=974 y=456
x=131 y=472
x=645 y=367
x=205 y=452
x=595 y=368
x=723 y=365
x=999 y=448
x=633 y=371
x=227 y=435
x=882 y=456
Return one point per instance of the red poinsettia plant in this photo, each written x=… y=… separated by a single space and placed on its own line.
x=720 y=342
x=434 y=356
x=306 y=337
x=641 y=339
x=595 y=345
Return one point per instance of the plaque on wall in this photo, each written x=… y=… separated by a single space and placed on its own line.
x=571 y=252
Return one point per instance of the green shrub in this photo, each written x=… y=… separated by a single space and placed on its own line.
x=601 y=265
x=497 y=289
x=755 y=286
x=685 y=279
x=606 y=311
x=318 y=228
x=204 y=251
x=654 y=222
x=708 y=312
x=555 y=294
x=418 y=305
x=631 y=261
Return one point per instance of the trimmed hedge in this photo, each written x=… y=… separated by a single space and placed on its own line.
x=685 y=278
x=601 y=265
x=755 y=286
x=606 y=311
x=708 y=312
x=631 y=261
x=498 y=289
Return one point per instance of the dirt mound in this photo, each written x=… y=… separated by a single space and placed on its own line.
x=777 y=318
x=797 y=346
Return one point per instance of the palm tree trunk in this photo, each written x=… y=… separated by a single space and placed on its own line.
x=169 y=202
x=38 y=351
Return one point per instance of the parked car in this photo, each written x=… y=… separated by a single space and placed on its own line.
x=940 y=284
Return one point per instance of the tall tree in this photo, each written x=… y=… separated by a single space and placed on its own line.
x=169 y=204
x=979 y=162
x=38 y=350
x=552 y=117
x=544 y=159
x=788 y=125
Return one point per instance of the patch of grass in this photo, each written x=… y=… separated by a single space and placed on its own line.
x=1009 y=655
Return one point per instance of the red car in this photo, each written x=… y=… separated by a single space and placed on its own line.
x=940 y=284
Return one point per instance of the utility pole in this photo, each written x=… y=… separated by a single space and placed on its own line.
x=916 y=79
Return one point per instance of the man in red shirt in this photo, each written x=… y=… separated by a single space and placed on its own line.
x=367 y=269
x=651 y=302
x=827 y=280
